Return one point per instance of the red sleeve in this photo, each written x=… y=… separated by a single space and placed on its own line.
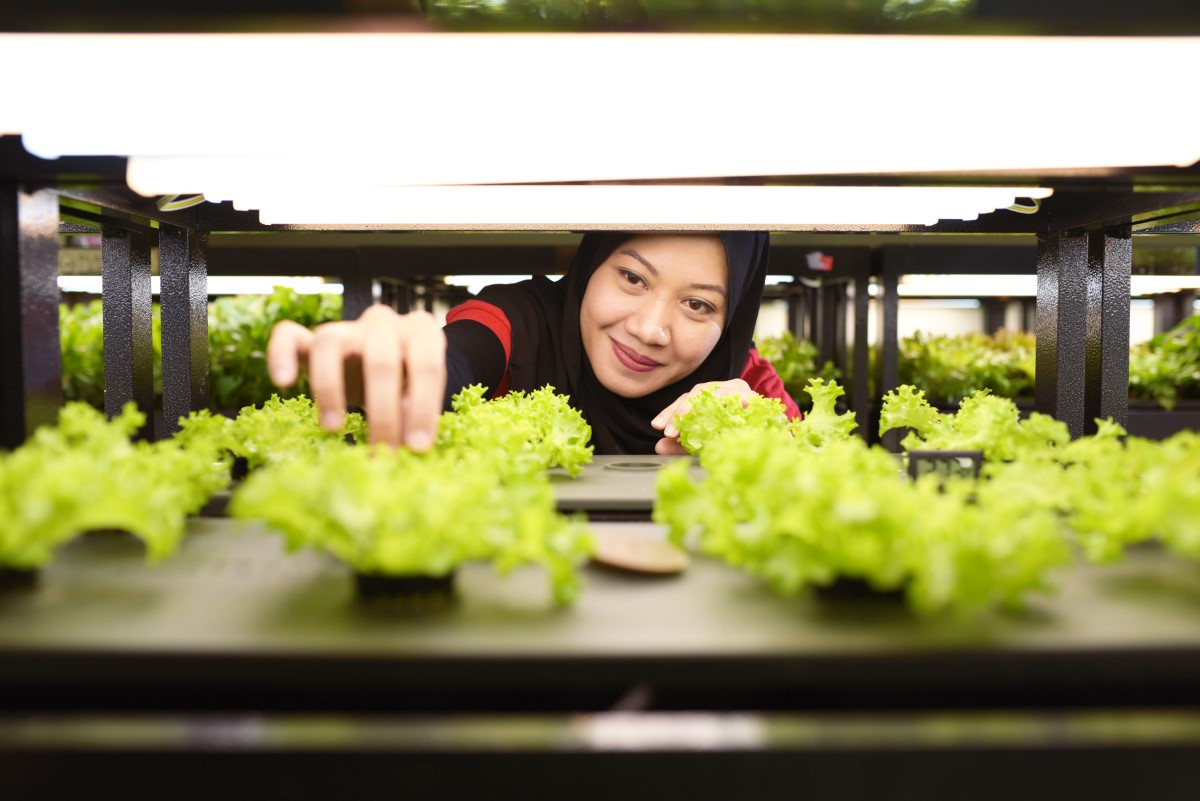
x=497 y=322
x=763 y=379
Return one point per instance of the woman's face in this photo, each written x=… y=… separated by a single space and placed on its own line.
x=654 y=310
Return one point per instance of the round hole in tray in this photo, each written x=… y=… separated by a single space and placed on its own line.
x=634 y=466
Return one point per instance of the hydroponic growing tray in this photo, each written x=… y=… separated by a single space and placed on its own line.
x=232 y=620
x=613 y=484
x=610 y=485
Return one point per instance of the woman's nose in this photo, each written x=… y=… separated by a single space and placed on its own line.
x=650 y=324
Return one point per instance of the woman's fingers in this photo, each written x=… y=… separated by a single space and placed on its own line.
x=395 y=364
x=287 y=350
x=404 y=376
x=665 y=420
x=667 y=415
x=424 y=355
x=669 y=447
x=332 y=345
x=383 y=373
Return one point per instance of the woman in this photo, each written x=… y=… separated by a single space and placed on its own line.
x=639 y=324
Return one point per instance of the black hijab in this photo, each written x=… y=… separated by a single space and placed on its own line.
x=547 y=347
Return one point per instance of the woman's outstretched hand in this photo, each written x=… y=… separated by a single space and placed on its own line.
x=392 y=365
x=665 y=421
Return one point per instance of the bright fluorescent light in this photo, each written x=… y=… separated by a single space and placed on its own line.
x=474 y=283
x=939 y=304
x=1159 y=284
x=979 y=286
x=637 y=206
x=217 y=284
x=969 y=286
x=485 y=108
x=982 y=286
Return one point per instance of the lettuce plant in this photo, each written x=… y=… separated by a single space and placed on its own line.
x=399 y=513
x=984 y=422
x=796 y=361
x=279 y=430
x=950 y=367
x=239 y=328
x=798 y=515
x=85 y=474
x=536 y=430
x=711 y=415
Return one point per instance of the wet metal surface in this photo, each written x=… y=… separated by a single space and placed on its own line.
x=128 y=343
x=1110 y=259
x=1061 y=328
x=30 y=360
x=183 y=268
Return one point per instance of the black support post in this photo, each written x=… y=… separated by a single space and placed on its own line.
x=357 y=289
x=398 y=293
x=1172 y=308
x=800 y=312
x=860 y=365
x=30 y=360
x=1028 y=314
x=994 y=313
x=183 y=268
x=1061 y=327
x=888 y=299
x=128 y=347
x=831 y=322
x=1106 y=390
x=888 y=312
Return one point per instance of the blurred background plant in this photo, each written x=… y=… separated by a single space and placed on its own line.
x=239 y=327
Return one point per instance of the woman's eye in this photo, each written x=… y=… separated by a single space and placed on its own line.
x=699 y=306
x=632 y=278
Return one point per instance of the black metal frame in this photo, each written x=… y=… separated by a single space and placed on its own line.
x=1172 y=308
x=1083 y=272
x=128 y=347
x=1081 y=314
x=183 y=270
x=894 y=261
x=30 y=361
x=1083 y=264
x=823 y=307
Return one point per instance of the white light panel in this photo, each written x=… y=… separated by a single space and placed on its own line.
x=361 y=117
x=217 y=284
x=632 y=206
x=481 y=108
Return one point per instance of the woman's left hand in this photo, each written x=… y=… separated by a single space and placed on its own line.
x=665 y=421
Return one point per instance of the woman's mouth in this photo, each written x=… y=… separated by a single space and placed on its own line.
x=631 y=359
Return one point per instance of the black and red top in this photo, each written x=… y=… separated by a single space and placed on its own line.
x=526 y=335
x=475 y=330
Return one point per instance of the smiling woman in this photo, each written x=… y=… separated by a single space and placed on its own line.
x=635 y=328
x=653 y=311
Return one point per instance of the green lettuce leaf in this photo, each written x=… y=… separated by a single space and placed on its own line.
x=796 y=361
x=797 y=517
x=280 y=430
x=711 y=415
x=823 y=424
x=984 y=422
x=950 y=367
x=398 y=513
x=531 y=430
x=85 y=474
